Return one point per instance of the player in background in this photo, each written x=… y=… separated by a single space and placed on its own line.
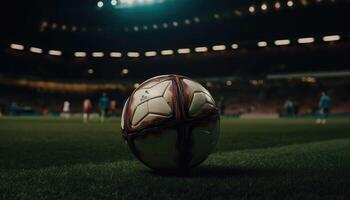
x=289 y=107
x=86 y=110
x=113 y=108
x=104 y=104
x=324 y=108
x=66 y=109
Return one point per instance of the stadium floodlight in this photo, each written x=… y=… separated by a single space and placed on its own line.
x=80 y=54
x=36 y=50
x=175 y=24
x=290 y=3
x=277 y=5
x=167 y=52
x=251 y=9
x=100 y=4
x=187 y=21
x=262 y=44
x=155 y=26
x=306 y=40
x=165 y=25
x=133 y=54
x=125 y=71
x=228 y=83
x=136 y=28
x=115 y=54
x=331 y=38
x=264 y=6
x=17 y=47
x=90 y=71
x=234 y=46
x=201 y=49
x=150 y=53
x=114 y=2
x=219 y=47
x=184 y=51
x=136 y=85
x=97 y=54
x=196 y=19
x=282 y=42
x=55 y=52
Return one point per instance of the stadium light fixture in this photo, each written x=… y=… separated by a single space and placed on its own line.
x=251 y=9
x=167 y=52
x=228 y=83
x=80 y=54
x=196 y=19
x=175 y=24
x=115 y=54
x=290 y=3
x=282 y=42
x=219 y=48
x=165 y=25
x=331 y=38
x=262 y=44
x=125 y=71
x=133 y=54
x=136 y=85
x=97 y=54
x=136 y=28
x=187 y=21
x=155 y=26
x=234 y=46
x=184 y=51
x=150 y=53
x=277 y=5
x=114 y=2
x=306 y=40
x=100 y=4
x=90 y=71
x=264 y=6
x=201 y=49
x=53 y=25
x=17 y=47
x=36 y=50
x=55 y=52
x=216 y=16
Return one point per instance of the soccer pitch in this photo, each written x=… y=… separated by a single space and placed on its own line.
x=50 y=158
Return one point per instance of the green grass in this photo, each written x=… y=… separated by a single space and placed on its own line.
x=255 y=159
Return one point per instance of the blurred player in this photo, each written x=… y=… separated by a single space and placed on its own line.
x=66 y=109
x=324 y=108
x=86 y=110
x=104 y=104
x=113 y=108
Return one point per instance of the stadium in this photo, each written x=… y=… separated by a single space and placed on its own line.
x=277 y=73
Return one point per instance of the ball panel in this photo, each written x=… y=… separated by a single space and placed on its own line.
x=203 y=138
x=159 y=106
x=158 y=149
x=140 y=112
x=122 y=121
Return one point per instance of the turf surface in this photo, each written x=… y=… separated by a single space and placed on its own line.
x=255 y=159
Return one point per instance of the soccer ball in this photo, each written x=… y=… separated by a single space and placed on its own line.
x=170 y=122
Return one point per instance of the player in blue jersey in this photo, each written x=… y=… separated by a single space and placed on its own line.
x=324 y=108
x=104 y=104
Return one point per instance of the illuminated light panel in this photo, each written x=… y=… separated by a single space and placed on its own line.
x=262 y=44
x=115 y=54
x=282 y=42
x=201 y=49
x=196 y=19
x=125 y=71
x=184 y=51
x=80 y=54
x=219 y=47
x=167 y=52
x=155 y=26
x=175 y=24
x=100 y=4
x=55 y=53
x=90 y=71
x=165 y=25
x=228 y=83
x=36 y=50
x=133 y=54
x=17 y=47
x=187 y=21
x=150 y=53
x=306 y=40
x=97 y=54
x=264 y=6
x=234 y=46
x=114 y=2
x=251 y=9
x=290 y=3
x=330 y=38
x=277 y=5
x=136 y=85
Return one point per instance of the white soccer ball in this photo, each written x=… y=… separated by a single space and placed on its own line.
x=170 y=122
